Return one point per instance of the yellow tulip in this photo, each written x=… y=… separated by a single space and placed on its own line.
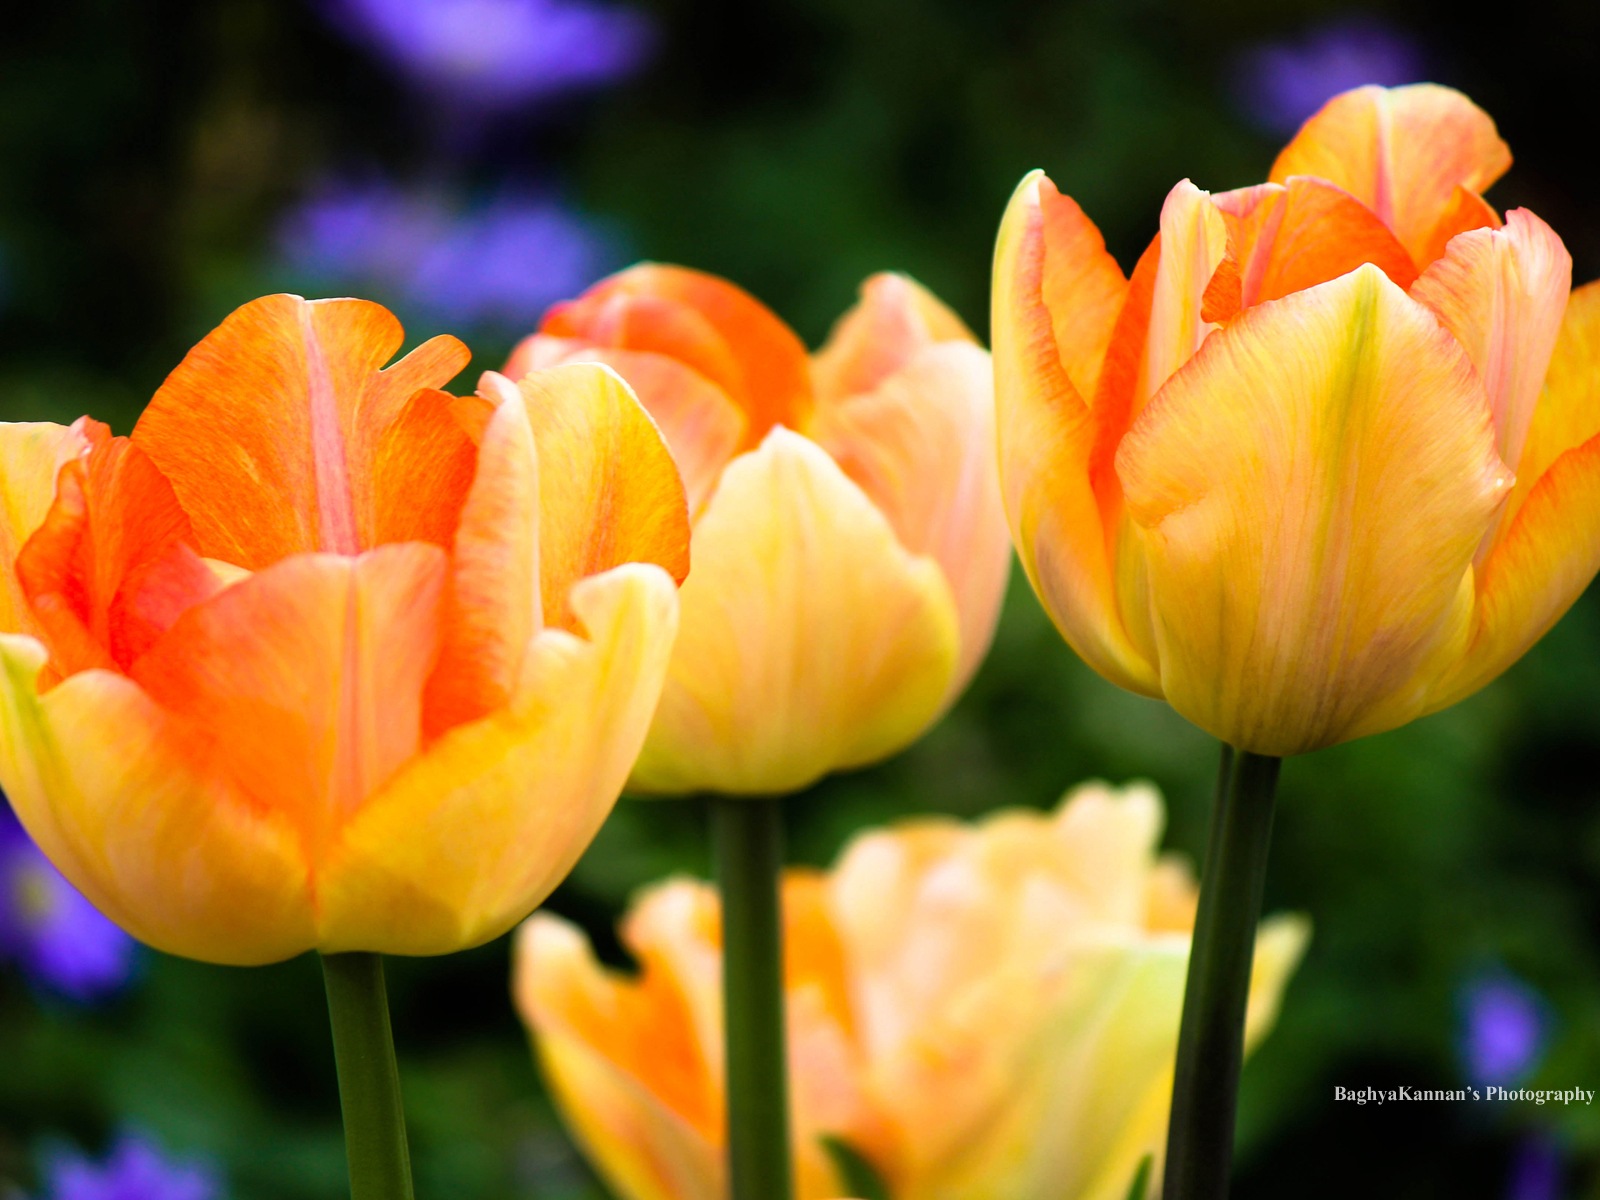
x=1328 y=461
x=983 y=1012
x=850 y=553
x=322 y=657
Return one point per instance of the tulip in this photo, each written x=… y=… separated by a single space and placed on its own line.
x=982 y=1011
x=850 y=551
x=1327 y=461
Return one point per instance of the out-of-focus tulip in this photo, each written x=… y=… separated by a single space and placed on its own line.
x=323 y=657
x=849 y=546
x=1327 y=461
x=981 y=1011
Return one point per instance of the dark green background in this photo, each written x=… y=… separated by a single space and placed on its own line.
x=146 y=150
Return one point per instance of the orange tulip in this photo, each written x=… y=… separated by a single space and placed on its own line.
x=323 y=657
x=849 y=550
x=1328 y=461
x=983 y=1012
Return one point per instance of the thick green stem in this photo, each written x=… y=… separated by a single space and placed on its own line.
x=749 y=852
x=1211 y=1040
x=369 y=1081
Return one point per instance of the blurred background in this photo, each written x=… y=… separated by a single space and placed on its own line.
x=467 y=162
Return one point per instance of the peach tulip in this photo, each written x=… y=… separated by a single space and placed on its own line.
x=850 y=552
x=982 y=1012
x=1328 y=461
x=323 y=657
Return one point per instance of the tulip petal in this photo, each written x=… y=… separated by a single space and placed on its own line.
x=705 y=322
x=1286 y=238
x=154 y=836
x=592 y=1031
x=1048 y=439
x=1503 y=293
x=609 y=492
x=894 y=320
x=467 y=838
x=702 y=426
x=1194 y=242
x=1567 y=414
x=1466 y=211
x=31 y=458
x=1402 y=152
x=811 y=639
x=305 y=680
x=269 y=428
x=1310 y=491
x=422 y=470
x=922 y=447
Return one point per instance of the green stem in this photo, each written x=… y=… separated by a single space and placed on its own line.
x=369 y=1081
x=748 y=833
x=1211 y=1040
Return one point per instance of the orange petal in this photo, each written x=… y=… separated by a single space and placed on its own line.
x=111 y=567
x=152 y=834
x=1285 y=238
x=269 y=429
x=922 y=447
x=422 y=470
x=1466 y=211
x=305 y=680
x=707 y=323
x=895 y=318
x=1310 y=492
x=1566 y=415
x=609 y=492
x=466 y=839
x=796 y=572
x=493 y=607
x=1503 y=293
x=1047 y=439
x=702 y=426
x=31 y=458
x=1194 y=241
x=1402 y=152
x=1082 y=286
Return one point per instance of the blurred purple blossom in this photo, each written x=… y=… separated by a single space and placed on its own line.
x=134 y=1169
x=1504 y=1029
x=499 y=55
x=499 y=264
x=58 y=939
x=1281 y=83
x=1535 y=1171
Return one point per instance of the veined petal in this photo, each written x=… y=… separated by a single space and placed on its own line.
x=423 y=467
x=797 y=573
x=1194 y=241
x=31 y=458
x=609 y=492
x=1047 y=444
x=1310 y=491
x=593 y=1031
x=153 y=834
x=1402 y=152
x=467 y=838
x=703 y=427
x=279 y=414
x=922 y=447
x=1466 y=211
x=707 y=323
x=1567 y=414
x=1284 y=238
x=1503 y=293
x=895 y=319
x=304 y=682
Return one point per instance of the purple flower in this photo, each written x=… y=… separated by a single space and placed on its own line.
x=499 y=55
x=499 y=264
x=1504 y=1029
x=1279 y=84
x=58 y=938
x=133 y=1170
x=1535 y=1171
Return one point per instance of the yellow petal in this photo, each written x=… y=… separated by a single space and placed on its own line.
x=469 y=837
x=31 y=456
x=1309 y=492
x=811 y=639
x=1194 y=241
x=1402 y=152
x=922 y=447
x=1047 y=444
x=156 y=838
